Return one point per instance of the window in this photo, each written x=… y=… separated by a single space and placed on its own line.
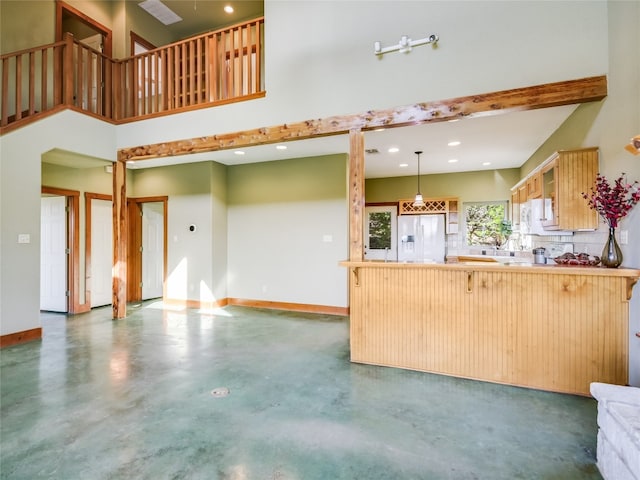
x=486 y=224
x=380 y=232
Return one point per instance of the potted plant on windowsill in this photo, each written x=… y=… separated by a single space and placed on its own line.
x=613 y=202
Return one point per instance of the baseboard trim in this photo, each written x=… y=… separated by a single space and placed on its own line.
x=244 y=302
x=20 y=337
x=293 y=307
x=175 y=302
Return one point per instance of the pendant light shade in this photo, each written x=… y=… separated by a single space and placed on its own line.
x=418 y=201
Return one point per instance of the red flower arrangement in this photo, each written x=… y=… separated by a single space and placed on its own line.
x=612 y=202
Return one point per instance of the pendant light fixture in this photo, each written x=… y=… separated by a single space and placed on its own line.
x=418 y=201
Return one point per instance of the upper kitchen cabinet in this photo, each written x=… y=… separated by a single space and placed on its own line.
x=553 y=192
x=565 y=176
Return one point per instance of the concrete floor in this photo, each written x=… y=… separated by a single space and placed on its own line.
x=132 y=399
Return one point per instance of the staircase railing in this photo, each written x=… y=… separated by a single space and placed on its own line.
x=213 y=68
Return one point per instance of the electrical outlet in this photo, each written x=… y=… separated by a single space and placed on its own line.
x=624 y=237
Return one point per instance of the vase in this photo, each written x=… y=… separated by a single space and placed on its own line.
x=611 y=253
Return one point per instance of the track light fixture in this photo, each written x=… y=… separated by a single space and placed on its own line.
x=405 y=45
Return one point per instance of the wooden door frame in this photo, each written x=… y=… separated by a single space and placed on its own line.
x=64 y=8
x=134 y=239
x=135 y=38
x=73 y=244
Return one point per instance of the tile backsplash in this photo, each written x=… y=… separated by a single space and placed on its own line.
x=590 y=242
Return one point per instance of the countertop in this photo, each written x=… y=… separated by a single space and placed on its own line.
x=495 y=266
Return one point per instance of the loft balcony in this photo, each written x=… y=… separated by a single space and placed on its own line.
x=211 y=69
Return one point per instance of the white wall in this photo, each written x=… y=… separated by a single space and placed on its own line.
x=618 y=120
x=278 y=252
x=189 y=253
x=20 y=183
x=319 y=58
x=288 y=231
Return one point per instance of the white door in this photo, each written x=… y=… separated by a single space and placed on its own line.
x=152 y=249
x=53 y=254
x=101 y=252
x=380 y=233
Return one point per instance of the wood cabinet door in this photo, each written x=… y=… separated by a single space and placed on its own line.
x=534 y=185
x=550 y=195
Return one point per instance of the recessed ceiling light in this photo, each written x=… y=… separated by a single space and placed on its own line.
x=403 y=165
x=453 y=160
x=393 y=150
x=454 y=143
x=486 y=163
x=228 y=8
x=281 y=147
x=239 y=152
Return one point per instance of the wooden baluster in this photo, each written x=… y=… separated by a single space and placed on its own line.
x=258 y=71
x=140 y=85
x=241 y=57
x=215 y=70
x=156 y=82
x=230 y=56
x=99 y=85
x=80 y=80
x=114 y=90
x=32 y=82
x=44 y=99
x=198 y=71
x=5 y=92
x=184 y=73
x=249 y=59
x=133 y=88
x=162 y=79
x=192 y=73
x=18 y=100
x=108 y=87
x=90 y=81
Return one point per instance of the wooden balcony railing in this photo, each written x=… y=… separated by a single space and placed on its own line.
x=216 y=67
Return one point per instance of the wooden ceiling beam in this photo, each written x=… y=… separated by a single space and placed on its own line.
x=527 y=98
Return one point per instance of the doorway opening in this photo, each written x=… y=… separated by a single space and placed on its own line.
x=83 y=28
x=146 y=248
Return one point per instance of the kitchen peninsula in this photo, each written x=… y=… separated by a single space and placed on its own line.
x=555 y=328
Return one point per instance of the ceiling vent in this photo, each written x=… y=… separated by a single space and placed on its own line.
x=160 y=11
x=372 y=151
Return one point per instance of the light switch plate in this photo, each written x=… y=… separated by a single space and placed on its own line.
x=624 y=237
x=24 y=238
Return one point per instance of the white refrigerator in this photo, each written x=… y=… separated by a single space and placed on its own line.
x=421 y=238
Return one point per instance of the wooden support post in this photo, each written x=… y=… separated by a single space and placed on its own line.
x=119 y=239
x=356 y=194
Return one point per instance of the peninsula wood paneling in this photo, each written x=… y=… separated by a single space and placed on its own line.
x=552 y=332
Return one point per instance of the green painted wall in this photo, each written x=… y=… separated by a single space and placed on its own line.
x=572 y=134
x=26 y=24
x=476 y=186
x=93 y=180
x=308 y=179
x=185 y=179
x=288 y=230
